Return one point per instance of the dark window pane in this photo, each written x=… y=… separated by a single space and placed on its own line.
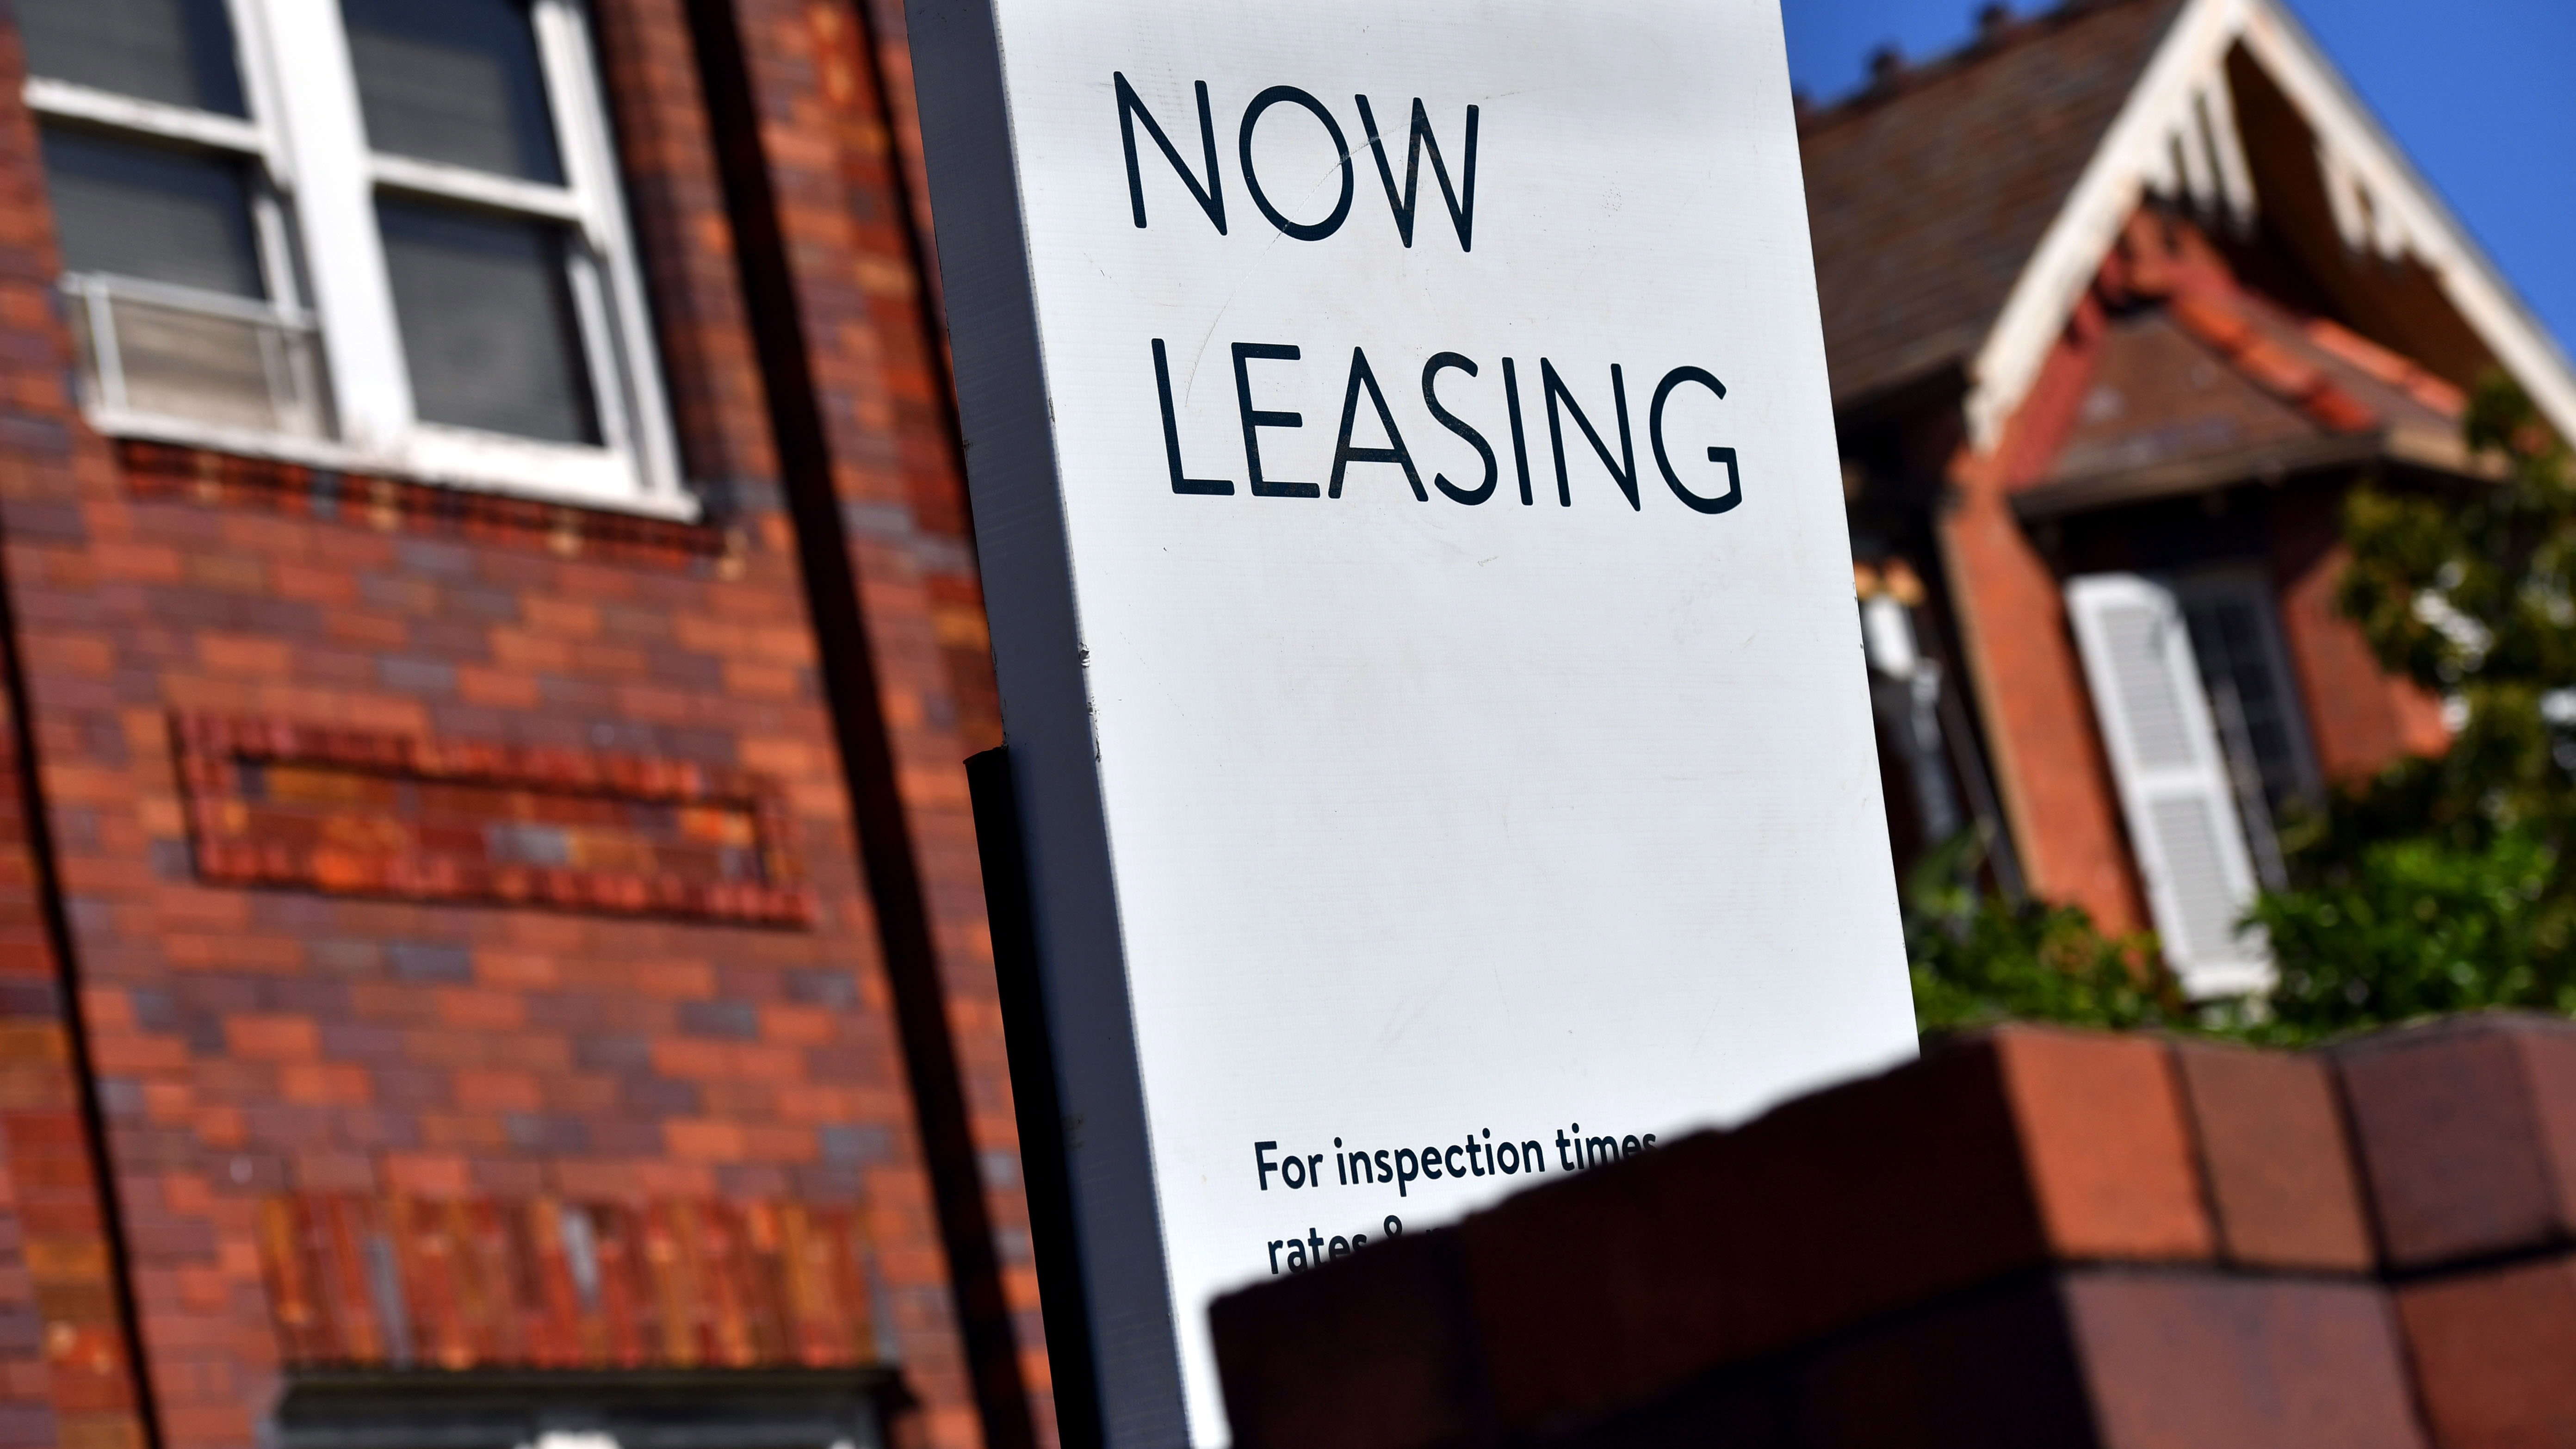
x=177 y=51
x=2227 y=639
x=154 y=212
x=487 y=322
x=454 y=81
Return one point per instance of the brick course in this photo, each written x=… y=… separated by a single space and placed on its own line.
x=2140 y=1361
x=2491 y=1352
x=274 y=803
x=2467 y=1131
x=551 y=1284
x=2273 y=1149
x=1997 y=1150
x=2040 y=1238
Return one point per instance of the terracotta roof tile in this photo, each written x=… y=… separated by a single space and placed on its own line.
x=2161 y=394
x=2378 y=362
x=2210 y=377
x=1928 y=193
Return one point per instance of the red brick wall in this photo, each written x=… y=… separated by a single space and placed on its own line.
x=2361 y=717
x=254 y=1042
x=66 y=1359
x=2040 y=732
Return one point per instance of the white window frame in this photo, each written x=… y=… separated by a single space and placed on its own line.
x=314 y=192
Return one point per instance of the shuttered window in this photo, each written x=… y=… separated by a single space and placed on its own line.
x=2173 y=777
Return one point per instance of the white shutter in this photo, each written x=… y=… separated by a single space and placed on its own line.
x=2173 y=781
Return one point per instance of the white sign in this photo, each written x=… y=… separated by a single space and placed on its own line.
x=1411 y=523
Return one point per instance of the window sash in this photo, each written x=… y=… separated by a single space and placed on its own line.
x=130 y=62
x=2265 y=779
x=2293 y=775
x=425 y=98
x=317 y=181
x=490 y=324
x=176 y=215
x=70 y=100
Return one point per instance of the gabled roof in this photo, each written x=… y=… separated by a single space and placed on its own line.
x=1929 y=192
x=2213 y=386
x=1960 y=211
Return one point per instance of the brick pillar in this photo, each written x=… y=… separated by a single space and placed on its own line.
x=2041 y=733
x=859 y=411
x=2032 y=1237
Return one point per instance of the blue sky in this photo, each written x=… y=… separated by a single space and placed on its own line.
x=2476 y=90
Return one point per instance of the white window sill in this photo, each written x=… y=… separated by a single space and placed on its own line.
x=459 y=458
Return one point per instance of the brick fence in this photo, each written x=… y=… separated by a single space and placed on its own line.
x=2028 y=1237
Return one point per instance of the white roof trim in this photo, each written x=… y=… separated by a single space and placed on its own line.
x=2160 y=142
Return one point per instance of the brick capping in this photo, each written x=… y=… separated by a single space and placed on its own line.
x=357 y=1281
x=2030 y=1236
x=168 y=472
x=367 y=816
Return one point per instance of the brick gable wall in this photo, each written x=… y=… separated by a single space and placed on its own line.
x=2007 y=576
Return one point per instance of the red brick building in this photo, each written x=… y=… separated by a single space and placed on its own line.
x=492 y=637
x=493 y=941
x=2119 y=301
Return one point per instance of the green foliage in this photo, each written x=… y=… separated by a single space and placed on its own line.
x=1978 y=959
x=2471 y=593
x=2418 y=926
x=2444 y=884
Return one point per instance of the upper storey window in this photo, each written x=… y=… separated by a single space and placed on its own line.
x=373 y=233
x=176 y=52
x=458 y=81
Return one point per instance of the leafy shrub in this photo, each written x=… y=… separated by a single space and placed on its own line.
x=2417 y=927
x=2445 y=884
x=1978 y=959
